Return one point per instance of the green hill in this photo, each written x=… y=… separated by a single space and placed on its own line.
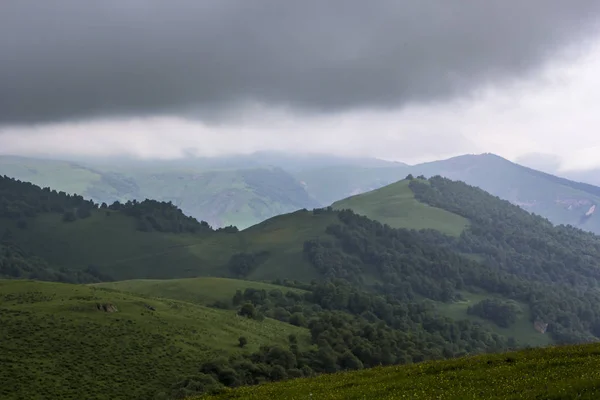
x=81 y=242
x=245 y=190
x=203 y=291
x=57 y=341
x=560 y=200
x=396 y=206
x=570 y=372
x=368 y=293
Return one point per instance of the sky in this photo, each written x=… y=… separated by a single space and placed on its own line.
x=401 y=80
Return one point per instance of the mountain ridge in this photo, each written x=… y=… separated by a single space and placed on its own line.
x=244 y=190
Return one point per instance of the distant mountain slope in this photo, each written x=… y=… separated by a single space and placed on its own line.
x=560 y=200
x=71 y=178
x=247 y=189
x=222 y=197
x=63 y=341
x=331 y=183
x=227 y=197
x=396 y=206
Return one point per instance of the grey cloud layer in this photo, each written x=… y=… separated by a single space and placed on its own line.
x=73 y=59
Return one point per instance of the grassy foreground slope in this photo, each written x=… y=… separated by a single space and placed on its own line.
x=396 y=206
x=566 y=372
x=204 y=291
x=56 y=343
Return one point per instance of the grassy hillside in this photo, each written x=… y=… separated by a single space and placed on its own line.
x=203 y=291
x=378 y=296
x=562 y=201
x=74 y=351
x=396 y=206
x=113 y=245
x=570 y=372
x=138 y=240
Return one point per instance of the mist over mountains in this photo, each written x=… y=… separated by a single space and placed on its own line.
x=246 y=189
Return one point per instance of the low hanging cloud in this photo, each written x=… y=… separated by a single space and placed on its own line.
x=69 y=60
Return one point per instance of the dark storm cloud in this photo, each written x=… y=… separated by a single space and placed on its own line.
x=76 y=59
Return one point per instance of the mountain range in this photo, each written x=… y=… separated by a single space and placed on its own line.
x=245 y=190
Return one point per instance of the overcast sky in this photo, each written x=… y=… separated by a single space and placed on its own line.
x=403 y=80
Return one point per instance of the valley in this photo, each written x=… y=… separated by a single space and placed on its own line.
x=419 y=270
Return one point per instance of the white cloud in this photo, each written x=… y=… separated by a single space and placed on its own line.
x=555 y=114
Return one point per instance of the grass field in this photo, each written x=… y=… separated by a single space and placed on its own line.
x=396 y=206
x=55 y=343
x=522 y=330
x=203 y=291
x=569 y=372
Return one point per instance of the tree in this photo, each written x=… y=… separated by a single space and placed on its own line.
x=293 y=339
x=248 y=311
x=242 y=341
x=69 y=216
x=298 y=319
x=238 y=298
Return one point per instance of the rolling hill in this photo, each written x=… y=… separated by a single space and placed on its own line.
x=560 y=200
x=247 y=189
x=110 y=241
x=72 y=342
x=569 y=372
x=397 y=206
x=371 y=291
